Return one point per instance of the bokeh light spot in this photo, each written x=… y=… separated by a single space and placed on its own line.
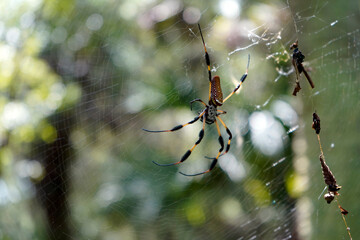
x=94 y=22
x=48 y=133
x=229 y=8
x=191 y=15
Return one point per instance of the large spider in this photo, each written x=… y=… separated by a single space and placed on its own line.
x=209 y=115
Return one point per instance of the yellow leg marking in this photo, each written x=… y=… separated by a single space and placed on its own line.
x=217 y=127
x=193 y=147
x=209 y=91
x=241 y=80
x=222 y=122
x=229 y=133
x=189 y=123
x=237 y=88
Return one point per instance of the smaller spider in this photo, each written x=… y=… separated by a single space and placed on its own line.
x=209 y=115
x=297 y=60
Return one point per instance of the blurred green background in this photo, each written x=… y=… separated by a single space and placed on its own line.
x=80 y=79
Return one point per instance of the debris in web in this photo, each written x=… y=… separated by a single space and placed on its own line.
x=316 y=123
x=266 y=37
x=328 y=176
x=297 y=60
x=296 y=89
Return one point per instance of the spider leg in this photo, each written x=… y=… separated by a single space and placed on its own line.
x=242 y=79
x=197 y=100
x=187 y=154
x=220 y=112
x=213 y=163
x=207 y=60
x=227 y=147
x=221 y=141
x=178 y=126
x=207 y=57
x=229 y=133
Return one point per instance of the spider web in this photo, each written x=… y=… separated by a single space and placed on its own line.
x=86 y=169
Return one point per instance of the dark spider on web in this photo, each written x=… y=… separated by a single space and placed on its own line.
x=297 y=60
x=210 y=114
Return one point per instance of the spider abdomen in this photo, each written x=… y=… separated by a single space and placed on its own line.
x=216 y=93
